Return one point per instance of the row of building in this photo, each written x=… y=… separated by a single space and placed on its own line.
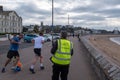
x=10 y=22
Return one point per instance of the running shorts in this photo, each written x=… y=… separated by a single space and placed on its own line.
x=37 y=51
x=12 y=54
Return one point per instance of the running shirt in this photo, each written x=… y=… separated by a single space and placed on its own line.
x=14 y=46
x=38 y=42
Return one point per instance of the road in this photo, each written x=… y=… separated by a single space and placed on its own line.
x=80 y=68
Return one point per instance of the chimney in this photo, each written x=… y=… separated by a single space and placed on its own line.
x=1 y=8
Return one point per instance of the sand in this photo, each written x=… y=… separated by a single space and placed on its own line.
x=109 y=48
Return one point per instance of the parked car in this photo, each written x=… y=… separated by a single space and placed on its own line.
x=47 y=37
x=29 y=37
x=56 y=36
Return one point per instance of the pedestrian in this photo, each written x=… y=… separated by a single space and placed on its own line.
x=38 y=42
x=73 y=34
x=62 y=51
x=13 y=51
x=78 y=36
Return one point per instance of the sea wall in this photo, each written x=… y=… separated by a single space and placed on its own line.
x=103 y=66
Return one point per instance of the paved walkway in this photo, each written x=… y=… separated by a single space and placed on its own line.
x=80 y=68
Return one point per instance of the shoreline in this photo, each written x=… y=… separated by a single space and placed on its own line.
x=116 y=40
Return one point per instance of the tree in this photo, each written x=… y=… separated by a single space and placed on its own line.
x=36 y=29
x=56 y=29
x=25 y=29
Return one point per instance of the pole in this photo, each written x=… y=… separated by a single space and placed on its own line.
x=68 y=20
x=52 y=18
x=52 y=13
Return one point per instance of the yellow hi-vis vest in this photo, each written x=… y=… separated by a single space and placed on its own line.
x=63 y=53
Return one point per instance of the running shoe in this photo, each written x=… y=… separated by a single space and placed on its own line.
x=42 y=67
x=3 y=70
x=32 y=71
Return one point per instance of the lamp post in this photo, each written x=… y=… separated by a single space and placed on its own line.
x=52 y=13
x=68 y=20
x=52 y=18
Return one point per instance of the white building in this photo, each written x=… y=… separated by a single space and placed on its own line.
x=116 y=31
x=31 y=28
x=10 y=22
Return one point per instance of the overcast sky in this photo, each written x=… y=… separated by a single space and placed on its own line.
x=98 y=14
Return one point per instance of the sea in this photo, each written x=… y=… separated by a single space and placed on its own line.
x=115 y=40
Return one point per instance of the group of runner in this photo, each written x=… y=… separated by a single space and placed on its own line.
x=13 y=53
x=62 y=50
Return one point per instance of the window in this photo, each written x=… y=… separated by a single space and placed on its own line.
x=13 y=17
x=3 y=17
x=10 y=17
x=2 y=23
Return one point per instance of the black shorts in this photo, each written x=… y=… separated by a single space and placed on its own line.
x=37 y=51
x=12 y=54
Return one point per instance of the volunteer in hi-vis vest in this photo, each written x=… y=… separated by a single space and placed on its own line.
x=62 y=51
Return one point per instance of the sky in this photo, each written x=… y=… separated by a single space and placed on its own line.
x=93 y=14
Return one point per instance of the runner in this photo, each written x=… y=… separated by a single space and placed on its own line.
x=38 y=41
x=13 y=51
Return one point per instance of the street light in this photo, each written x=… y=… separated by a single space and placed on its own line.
x=52 y=18
x=52 y=13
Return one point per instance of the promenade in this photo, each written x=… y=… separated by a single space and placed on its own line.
x=80 y=68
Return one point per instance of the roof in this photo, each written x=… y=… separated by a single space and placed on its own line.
x=7 y=13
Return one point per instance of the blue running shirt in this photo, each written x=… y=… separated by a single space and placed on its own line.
x=14 y=46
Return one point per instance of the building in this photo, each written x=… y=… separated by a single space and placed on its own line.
x=42 y=24
x=94 y=31
x=31 y=28
x=10 y=22
x=116 y=31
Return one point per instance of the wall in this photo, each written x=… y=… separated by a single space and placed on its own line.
x=103 y=66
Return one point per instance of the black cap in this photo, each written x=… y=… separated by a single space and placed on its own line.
x=64 y=34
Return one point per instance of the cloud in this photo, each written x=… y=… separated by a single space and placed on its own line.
x=81 y=12
x=33 y=13
x=115 y=12
x=88 y=17
x=107 y=2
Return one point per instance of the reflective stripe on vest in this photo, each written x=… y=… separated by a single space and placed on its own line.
x=63 y=53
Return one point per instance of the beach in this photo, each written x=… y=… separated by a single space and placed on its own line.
x=107 y=46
